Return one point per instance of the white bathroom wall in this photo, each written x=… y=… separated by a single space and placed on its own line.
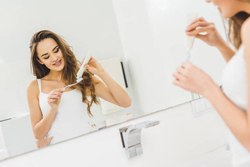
x=154 y=41
x=86 y=25
x=180 y=140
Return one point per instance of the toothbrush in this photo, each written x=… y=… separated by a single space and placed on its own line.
x=77 y=81
x=190 y=40
x=80 y=72
x=190 y=43
x=83 y=66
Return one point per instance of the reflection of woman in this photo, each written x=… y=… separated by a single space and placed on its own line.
x=57 y=114
x=232 y=101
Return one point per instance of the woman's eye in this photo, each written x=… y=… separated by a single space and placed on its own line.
x=56 y=50
x=46 y=57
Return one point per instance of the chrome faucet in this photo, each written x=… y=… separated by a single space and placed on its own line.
x=131 y=137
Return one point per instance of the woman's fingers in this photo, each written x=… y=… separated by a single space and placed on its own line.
x=178 y=76
x=49 y=139
x=44 y=142
x=179 y=83
x=181 y=73
x=92 y=59
x=57 y=92
x=196 y=25
x=55 y=95
x=197 y=20
x=52 y=100
x=201 y=30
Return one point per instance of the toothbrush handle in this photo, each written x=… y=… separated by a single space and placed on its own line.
x=188 y=56
x=68 y=86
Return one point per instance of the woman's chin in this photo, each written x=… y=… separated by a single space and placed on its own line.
x=58 y=69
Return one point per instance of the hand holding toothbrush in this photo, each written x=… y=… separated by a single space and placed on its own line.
x=54 y=98
x=206 y=31
x=80 y=72
x=193 y=79
x=190 y=39
x=94 y=67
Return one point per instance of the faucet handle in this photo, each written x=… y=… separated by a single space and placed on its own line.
x=131 y=137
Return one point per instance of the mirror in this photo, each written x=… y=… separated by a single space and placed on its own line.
x=86 y=26
x=143 y=39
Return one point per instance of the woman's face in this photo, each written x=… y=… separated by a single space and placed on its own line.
x=228 y=8
x=50 y=54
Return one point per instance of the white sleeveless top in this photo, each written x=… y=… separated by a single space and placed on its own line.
x=72 y=119
x=234 y=85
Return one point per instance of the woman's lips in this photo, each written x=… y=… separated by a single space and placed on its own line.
x=57 y=63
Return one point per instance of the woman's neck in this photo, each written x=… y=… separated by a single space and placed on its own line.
x=53 y=75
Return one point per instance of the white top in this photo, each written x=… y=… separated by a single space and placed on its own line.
x=72 y=119
x=234 y=85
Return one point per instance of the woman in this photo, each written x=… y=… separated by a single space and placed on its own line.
x=58 y=114
x=231 y=100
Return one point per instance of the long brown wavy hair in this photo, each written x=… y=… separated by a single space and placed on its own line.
x=235 y=24
x=70 y=69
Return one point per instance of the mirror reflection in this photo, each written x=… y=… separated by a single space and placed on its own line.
x=58 y=111
x=63 y=73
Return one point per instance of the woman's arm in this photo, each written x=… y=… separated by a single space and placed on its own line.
x=41 y=124
x=236 y=119
x=226 y=51
x=193 y=79
x=109 y=89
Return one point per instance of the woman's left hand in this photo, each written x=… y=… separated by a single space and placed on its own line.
x=94 y=67
x=191 y=78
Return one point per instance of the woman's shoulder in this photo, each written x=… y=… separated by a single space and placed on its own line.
x=245 y=31
x=33 y=87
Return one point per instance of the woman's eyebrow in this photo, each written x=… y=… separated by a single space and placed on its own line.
x=45 y=54
x=55 y=48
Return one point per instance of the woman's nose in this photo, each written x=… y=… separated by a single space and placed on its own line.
x=54 y=57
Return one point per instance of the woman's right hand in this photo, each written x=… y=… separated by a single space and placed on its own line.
x=206 y=31
x=44 y=142
x=55 y=98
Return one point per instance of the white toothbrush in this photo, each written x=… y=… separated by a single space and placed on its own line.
x=190 y=40
x=77 y=81
x=80 y=72
x=83 y=66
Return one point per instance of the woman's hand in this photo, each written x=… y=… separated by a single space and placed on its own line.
x=55 y=98
x=44 y=142
x=206 y=31
x=94 y=67
x=193 y=79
